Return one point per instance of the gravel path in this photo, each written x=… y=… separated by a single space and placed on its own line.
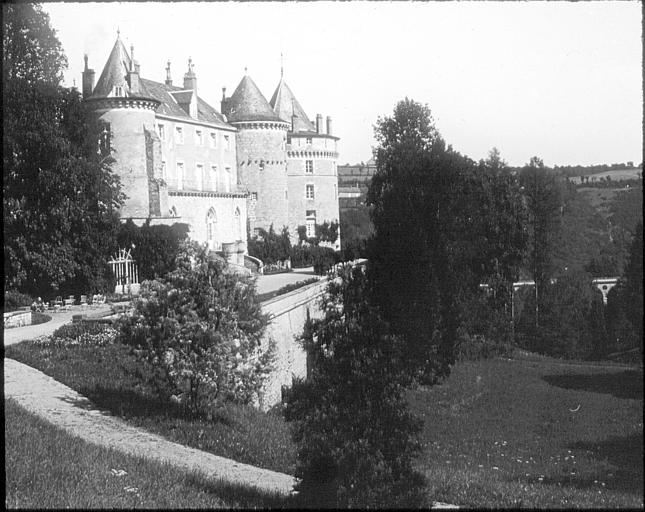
x=64 y=407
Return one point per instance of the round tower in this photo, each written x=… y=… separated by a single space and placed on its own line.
x=261 y=155
x=126 y=117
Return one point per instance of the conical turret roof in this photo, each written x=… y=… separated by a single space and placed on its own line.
x=115 y=73
x=248 y=104
x=285 y=105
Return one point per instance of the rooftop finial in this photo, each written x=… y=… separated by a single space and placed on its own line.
x=131 y=57
x=118 y=32
x=190 y=64
x=85 y=59
x=245 y=70
x=281 y=66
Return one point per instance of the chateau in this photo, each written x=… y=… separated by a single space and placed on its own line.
x=180 y=160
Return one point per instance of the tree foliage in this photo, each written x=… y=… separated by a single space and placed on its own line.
x=154 y=248
x=441 y=226
x=60 y=198
x=356 y=438
x=543 y=200
x=269 y=246
x=201 y=326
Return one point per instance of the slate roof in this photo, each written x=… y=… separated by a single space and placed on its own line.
x=285 y=104
x=170 y=107
x=248 y=104
x=115 y=73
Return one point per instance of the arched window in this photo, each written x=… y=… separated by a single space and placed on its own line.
x=211 y=229
x=238 y=224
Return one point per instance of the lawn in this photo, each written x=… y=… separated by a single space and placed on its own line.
x=48 y=468
x=498 y=433
x=115 y=380
x=515 y=433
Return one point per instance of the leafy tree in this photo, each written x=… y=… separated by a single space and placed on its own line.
x=202 y=327
x=154 y=248
x=356 y=438
x=269 y=246
x=60 y=198
x=632 y=284
x=543 y=200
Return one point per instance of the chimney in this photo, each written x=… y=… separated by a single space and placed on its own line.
x=328 y=125
x=224 y=103
x=190 y=79
x=88 y=80
x=133 y=74
x=318 y=123
x=168 y=77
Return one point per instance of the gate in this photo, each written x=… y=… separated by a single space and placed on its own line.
x=125 y=270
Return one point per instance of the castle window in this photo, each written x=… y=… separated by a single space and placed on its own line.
x=254 y=196
x=310 y=223
x=104 y=139
x=161 y=131
x=214 y=177
x=180 y=175
x=199 y=138
x=211 y=225
x=213 y=139
x=163 y=169
x=118 y=91
x=335 y=191
x=309 y=192
x=179 y=135
x=199 y=175
x=238 y=224
x=227 y=142
x=309 y=140
x=227 y=180
x=309 y=166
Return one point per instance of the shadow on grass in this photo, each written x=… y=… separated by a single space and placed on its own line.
x=625 y=454
x=626 y=384
x=132 y=404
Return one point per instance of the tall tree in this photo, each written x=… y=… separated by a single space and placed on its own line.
x=60 y=198
x=543 y=201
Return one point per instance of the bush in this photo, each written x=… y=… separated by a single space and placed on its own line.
x=154 y=248
x=201 y=327
x=270 y=247
x=81 y=333
x=355 y=435
x=14 y=300
x=321 y=258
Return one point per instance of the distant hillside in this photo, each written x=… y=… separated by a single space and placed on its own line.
x=614 y=175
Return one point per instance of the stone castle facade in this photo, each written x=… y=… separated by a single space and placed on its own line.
x=180 y=160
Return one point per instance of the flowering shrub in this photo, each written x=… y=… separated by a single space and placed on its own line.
x=79 y=334
x=201 y=326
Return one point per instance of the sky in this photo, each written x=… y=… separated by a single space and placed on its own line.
x=557 y=80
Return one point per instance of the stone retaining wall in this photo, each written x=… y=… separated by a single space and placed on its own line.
x=288 y=314
x=17 y=319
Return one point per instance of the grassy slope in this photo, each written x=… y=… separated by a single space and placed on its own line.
x=502 y=433
x=48 y=468
x=115 y=380
x=515 y=417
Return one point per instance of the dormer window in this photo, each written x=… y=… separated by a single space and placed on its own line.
x=118 y=91
x=308 y=140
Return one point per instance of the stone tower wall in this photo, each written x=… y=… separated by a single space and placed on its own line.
x=259 y=146
x=128 y=141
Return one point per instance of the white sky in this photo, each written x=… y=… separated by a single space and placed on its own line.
x=560 y=80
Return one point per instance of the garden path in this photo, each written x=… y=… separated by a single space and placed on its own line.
x=29 y=332
x=67 y=409
x=271 y=282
